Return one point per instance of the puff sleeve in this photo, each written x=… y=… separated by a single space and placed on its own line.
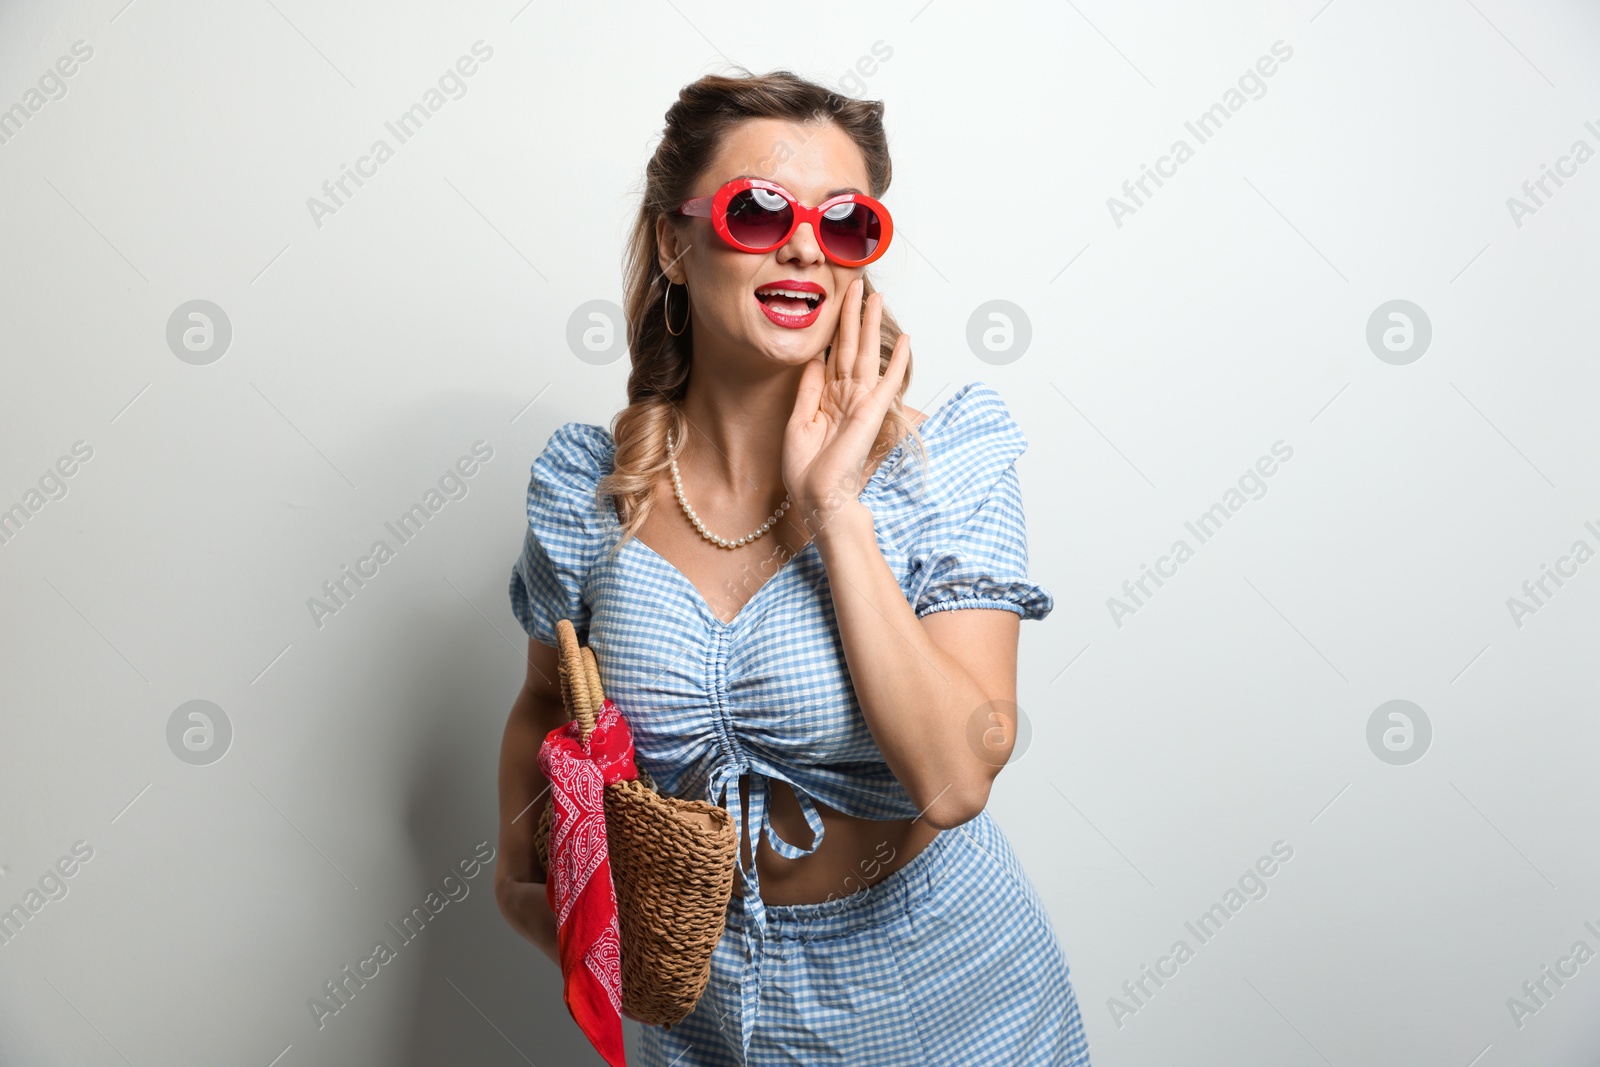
x=565 y=532
x=972 y=548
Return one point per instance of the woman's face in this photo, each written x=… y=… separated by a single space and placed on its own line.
x=813 y=161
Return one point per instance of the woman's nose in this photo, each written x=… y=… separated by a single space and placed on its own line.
x=803 y=246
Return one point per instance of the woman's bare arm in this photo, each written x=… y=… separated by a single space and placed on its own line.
x=922 y=683
x=518 y=880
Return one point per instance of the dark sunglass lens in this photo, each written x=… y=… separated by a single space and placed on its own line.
x=759 y=217
x=851 y=230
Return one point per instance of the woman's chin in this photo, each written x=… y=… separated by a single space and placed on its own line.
x=789 y=347
x=796 y=353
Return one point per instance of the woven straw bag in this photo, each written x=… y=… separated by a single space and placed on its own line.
x=672 y=866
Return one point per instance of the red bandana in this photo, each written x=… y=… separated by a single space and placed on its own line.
x=578 y=886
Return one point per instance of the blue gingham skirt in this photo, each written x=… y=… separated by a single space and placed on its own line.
x=951 y=959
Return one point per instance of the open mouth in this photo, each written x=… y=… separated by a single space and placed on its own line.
x=794 y=305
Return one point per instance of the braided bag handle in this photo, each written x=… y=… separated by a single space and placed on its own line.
x=580 y=679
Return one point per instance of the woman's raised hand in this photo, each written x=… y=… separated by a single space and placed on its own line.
x=839 y=409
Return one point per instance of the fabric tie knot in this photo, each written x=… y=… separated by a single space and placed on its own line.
x=723 y=788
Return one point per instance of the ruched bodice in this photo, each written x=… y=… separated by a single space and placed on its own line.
x=768 y=693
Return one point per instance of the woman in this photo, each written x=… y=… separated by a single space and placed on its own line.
x=787 y=614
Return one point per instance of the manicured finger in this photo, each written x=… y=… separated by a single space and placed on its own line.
x=808 y=397
x=866 y=366
x=895 y=372
x=849 y=331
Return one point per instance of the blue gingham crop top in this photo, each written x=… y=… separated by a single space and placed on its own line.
x=768 y=693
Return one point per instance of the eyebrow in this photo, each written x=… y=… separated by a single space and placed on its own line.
x=829 y=194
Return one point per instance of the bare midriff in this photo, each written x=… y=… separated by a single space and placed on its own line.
x=855 y=853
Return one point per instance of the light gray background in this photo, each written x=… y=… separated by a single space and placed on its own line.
x=1167 y=354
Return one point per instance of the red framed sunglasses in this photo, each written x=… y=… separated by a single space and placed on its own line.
x=754 y=215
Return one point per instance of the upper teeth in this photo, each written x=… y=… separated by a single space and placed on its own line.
x=796 y=294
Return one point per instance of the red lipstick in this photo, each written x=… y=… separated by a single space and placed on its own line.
x=791 y=303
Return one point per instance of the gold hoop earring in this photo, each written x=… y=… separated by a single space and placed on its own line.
x=666 y=313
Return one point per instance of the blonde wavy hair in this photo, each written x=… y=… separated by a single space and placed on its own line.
x=695 y=125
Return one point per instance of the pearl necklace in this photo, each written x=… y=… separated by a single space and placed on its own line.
x=720 y=542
